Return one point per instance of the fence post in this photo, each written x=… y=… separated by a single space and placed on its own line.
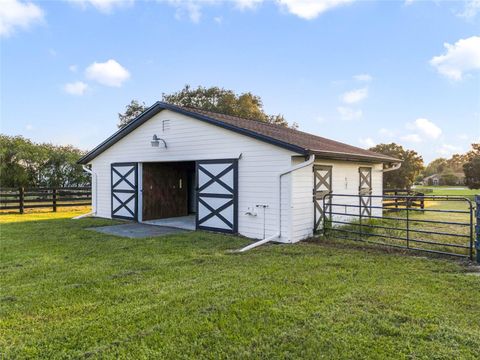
x=408 y=223
x=21 y=193
x=54 y=199
x=477 y=228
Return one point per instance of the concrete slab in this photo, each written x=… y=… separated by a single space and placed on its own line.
x=181 y=222
x=137 y=231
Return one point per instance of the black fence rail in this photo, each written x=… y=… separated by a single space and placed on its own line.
x=31 y=198
x=394 y=199
x=444 y=225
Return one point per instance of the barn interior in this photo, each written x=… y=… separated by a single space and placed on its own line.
x=169 y=194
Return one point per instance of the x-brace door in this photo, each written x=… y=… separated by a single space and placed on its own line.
x=217 y=195
x=322 y=186
x=365 y=191
x=124 y=190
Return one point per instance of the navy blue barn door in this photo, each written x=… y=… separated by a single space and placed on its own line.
x=217 y=195
x=124 y=191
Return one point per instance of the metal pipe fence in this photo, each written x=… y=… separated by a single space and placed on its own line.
x=442 y=225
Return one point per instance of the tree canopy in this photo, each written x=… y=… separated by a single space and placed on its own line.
x=471 y=167
x=404 y=177
x=25 y=163
x=451 y=170
x=132 y=110
x=216 y=99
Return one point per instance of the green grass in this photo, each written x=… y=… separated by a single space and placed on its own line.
x=419 y=220
x=67 y=292
x=449 y=190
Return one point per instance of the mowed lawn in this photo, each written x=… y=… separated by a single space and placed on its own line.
x=68 y=292
x=461 y=191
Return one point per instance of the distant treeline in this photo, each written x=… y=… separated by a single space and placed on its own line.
x=29 y=164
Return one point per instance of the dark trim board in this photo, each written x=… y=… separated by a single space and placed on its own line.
x=133 y=191
x=233 y=195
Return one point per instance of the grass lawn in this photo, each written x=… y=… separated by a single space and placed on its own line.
x=449 y=190
x=67 y=292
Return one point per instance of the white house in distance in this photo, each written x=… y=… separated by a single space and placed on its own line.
x=209 y=171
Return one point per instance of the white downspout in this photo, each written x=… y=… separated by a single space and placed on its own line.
x=94 y=185
x=279 y=233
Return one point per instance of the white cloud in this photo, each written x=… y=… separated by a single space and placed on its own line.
x=448 y=150
x=462 y=136
x=363 y=77
x=349 y=113
x=29 y=127
x=218 y=19
x=104 y=6
x=76 y=88
x=247 y=4
x=426 y=127
x=472 y=8
x=73 y=68
x=109 y=73
x=355 y=96
x=460 y=58
x=15 y=14
x=191 y=8
x=368 y=142
x=386 y=132
x=414 y=138
x=310 y=9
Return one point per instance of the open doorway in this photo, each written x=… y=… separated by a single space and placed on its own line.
x=169 y=194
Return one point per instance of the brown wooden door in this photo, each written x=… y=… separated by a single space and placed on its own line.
x=165 y=192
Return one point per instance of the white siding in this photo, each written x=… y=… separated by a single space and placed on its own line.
x=302 y=202
x=190 y=139
x=345 y=180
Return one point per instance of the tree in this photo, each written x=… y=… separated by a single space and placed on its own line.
x=404 y=177
x=472 y=172
x=246 y=105
x=436 y=166
x=472 y=167
x=132 y=110
x=448 y=179
x=25 y=163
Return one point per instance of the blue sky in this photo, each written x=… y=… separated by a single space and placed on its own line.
x=361 y=72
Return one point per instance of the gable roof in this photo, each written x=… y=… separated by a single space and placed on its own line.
x=290 y=139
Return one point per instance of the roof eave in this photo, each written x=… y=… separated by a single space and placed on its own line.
x=354 y=157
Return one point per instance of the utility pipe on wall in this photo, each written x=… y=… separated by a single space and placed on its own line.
x=94 y=185
x=279 y=234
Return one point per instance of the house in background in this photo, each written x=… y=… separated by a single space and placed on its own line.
x=202 y=170
x=444 y=179
x=432 y=180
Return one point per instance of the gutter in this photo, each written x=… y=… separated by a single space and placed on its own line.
x=279 y=233
x=94 y=184
x=395 y=166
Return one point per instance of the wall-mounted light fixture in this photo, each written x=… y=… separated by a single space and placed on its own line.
x=156 y=141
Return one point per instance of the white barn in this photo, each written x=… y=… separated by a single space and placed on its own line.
x=203 y=170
